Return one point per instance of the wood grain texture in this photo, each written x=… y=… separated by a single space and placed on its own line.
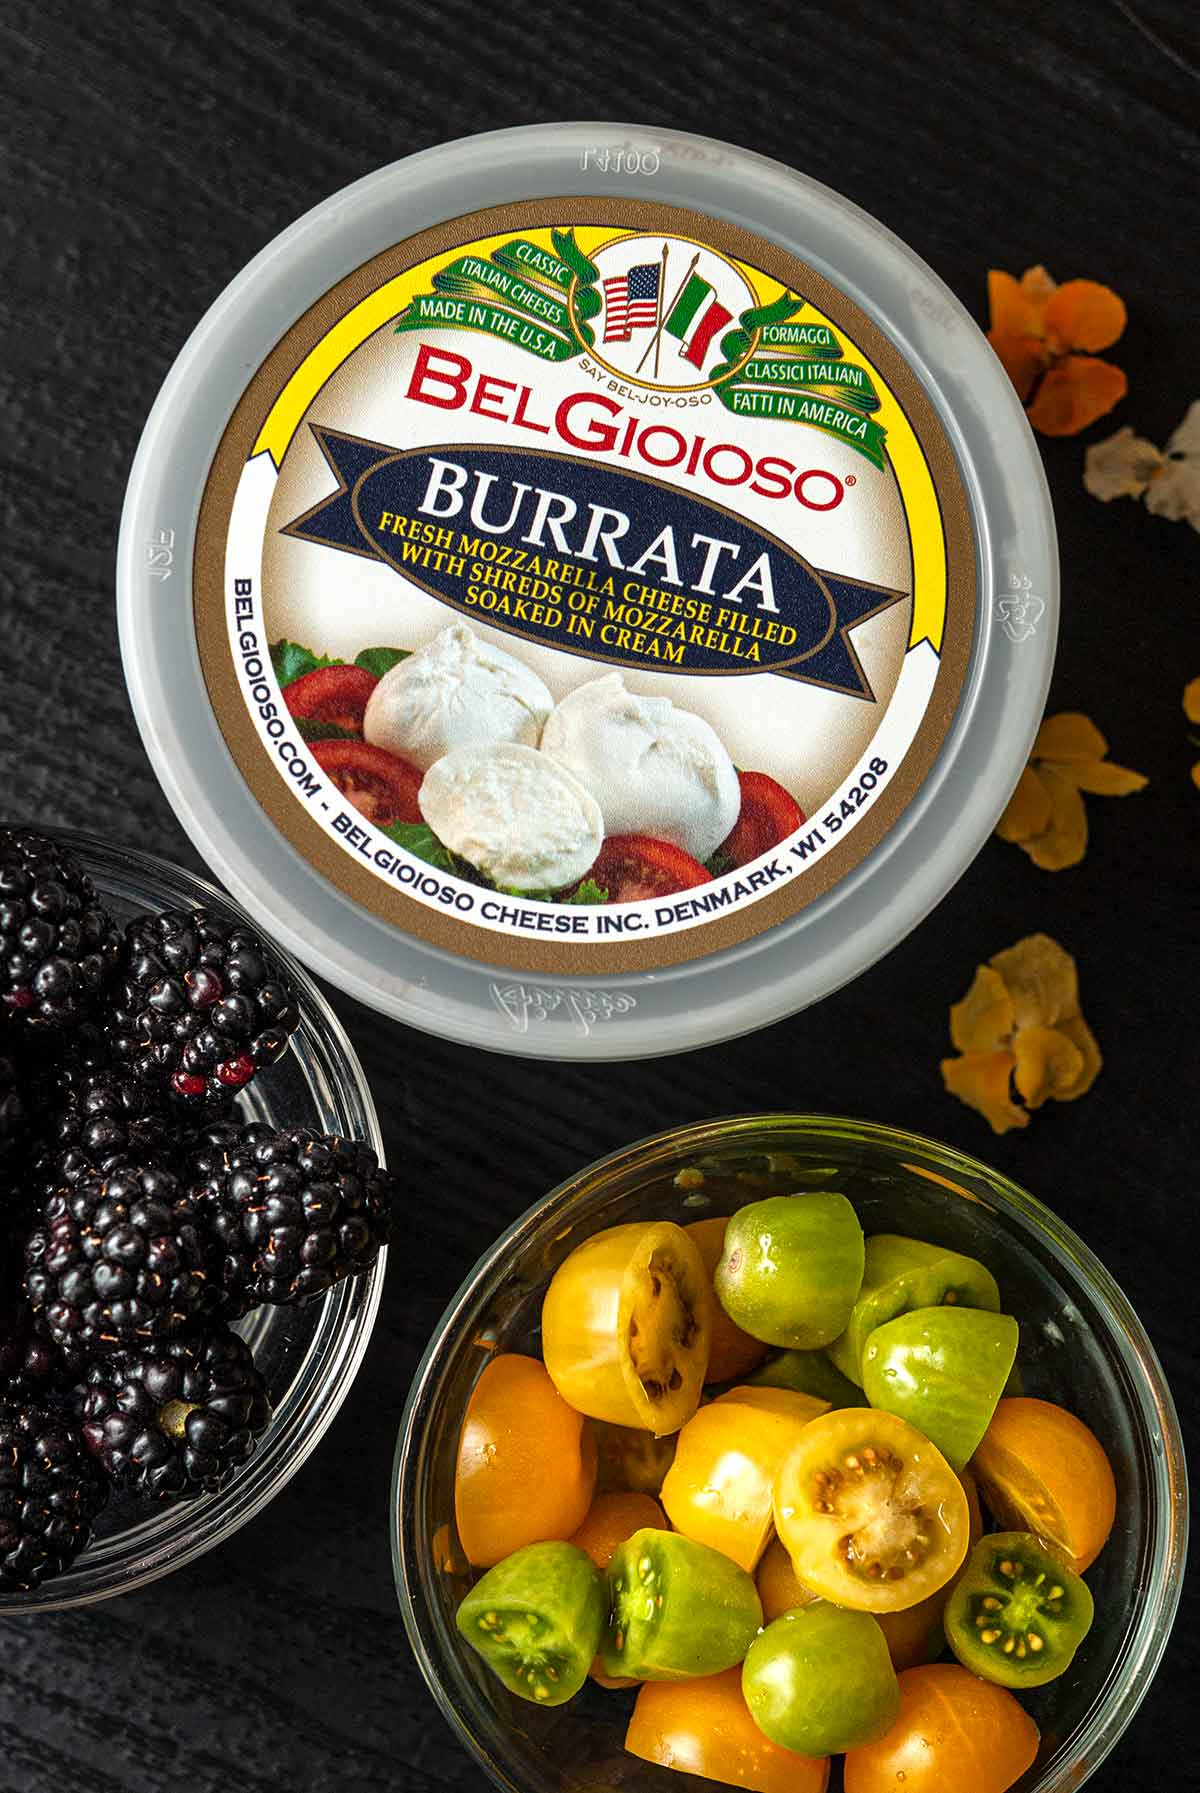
x=148 y=151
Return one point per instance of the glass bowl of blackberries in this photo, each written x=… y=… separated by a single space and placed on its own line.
x=193 y=1218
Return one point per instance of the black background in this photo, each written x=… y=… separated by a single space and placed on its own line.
x=151 y=149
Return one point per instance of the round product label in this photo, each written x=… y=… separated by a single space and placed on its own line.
x=584 y=585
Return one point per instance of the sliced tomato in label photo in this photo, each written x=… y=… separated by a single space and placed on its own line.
x=634 y=867
x=768 y=815
x=336 y=694
x=381 y=786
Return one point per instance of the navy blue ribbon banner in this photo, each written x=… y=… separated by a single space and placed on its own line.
x=593 y=560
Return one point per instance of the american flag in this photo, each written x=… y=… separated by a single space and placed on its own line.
x=631 y=302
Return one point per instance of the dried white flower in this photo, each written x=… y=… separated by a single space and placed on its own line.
x=1121 y=466
x=1128 y=466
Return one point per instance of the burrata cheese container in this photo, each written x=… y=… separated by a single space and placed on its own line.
x=588 y=590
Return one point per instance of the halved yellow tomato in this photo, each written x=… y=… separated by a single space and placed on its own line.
x=1042 y=1470
x=732 y=1352
x=704 y=1727
x=627 y=1325
x=526 y=1465
x=872 y=1515
x=719 y=1488
x=788 y=1403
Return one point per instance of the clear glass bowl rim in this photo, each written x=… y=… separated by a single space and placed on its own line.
x=1156 y=1415
x=345 y=1316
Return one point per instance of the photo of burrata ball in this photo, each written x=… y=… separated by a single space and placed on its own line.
x=653 y=768
x=515 y=815
x=456 y=691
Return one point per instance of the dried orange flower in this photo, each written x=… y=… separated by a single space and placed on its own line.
x=1045 y=815
x=1019 y=1033
x=1129 y=466
x=1191 y=709
x=1039 y=330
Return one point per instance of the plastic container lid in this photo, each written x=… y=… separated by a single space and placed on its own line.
x=588 y=590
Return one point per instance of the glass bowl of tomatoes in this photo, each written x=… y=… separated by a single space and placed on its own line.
x=600 y=1579
x=309 y=1354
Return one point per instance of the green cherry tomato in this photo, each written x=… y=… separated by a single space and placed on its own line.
x=1017 y=1616
x=791 y=1268
x=901 y=1274
x=942 y=1369
x=820 y=1680
x=537 y=1619
x=807 y=1373
x=678 y=1609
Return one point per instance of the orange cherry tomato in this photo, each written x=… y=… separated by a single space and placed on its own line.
x=526 y=1465
x=626 y=1325
x=719 y=1488
x=733 y=1353
x=915 y=1635
x=777 y=1586
x=954 y=1732
x=704 y=1727
x=611 y=1519
x=1041 y=1470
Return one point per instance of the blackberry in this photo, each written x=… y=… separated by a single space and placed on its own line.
x=58 y=944
x=290 y=1213
x=175 y=1419
x=203 y=1005
x=116 y=1261
x=50 y=1493
x=31 y=1365
x=96 y=1119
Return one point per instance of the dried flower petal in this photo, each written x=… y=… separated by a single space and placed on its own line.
x=983 y=1021
x=1082 y=314
x=1047 y=1062
x=1019 y=1024
x=1073 y=393
x=1029 y=811
x=1013 y=310
x=1185 y=440
x=1046 y=336
x=1069 y=736
x=1045 y=816
x=981 y=1080
x=1041 y=979
x=1121 y=466
x=1083 y=1039
x=1023 y=360
x=1065 y=841
x=1101 y=778
x=1175 y=494
x=1016 y=332
x=1037 y=286
x=1191 y=700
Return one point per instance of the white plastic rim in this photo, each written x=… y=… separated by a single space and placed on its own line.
x=840 y=933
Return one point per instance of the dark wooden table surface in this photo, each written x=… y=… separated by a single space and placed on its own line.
x=150 y=149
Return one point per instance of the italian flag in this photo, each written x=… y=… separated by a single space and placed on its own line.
x=695 y=318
